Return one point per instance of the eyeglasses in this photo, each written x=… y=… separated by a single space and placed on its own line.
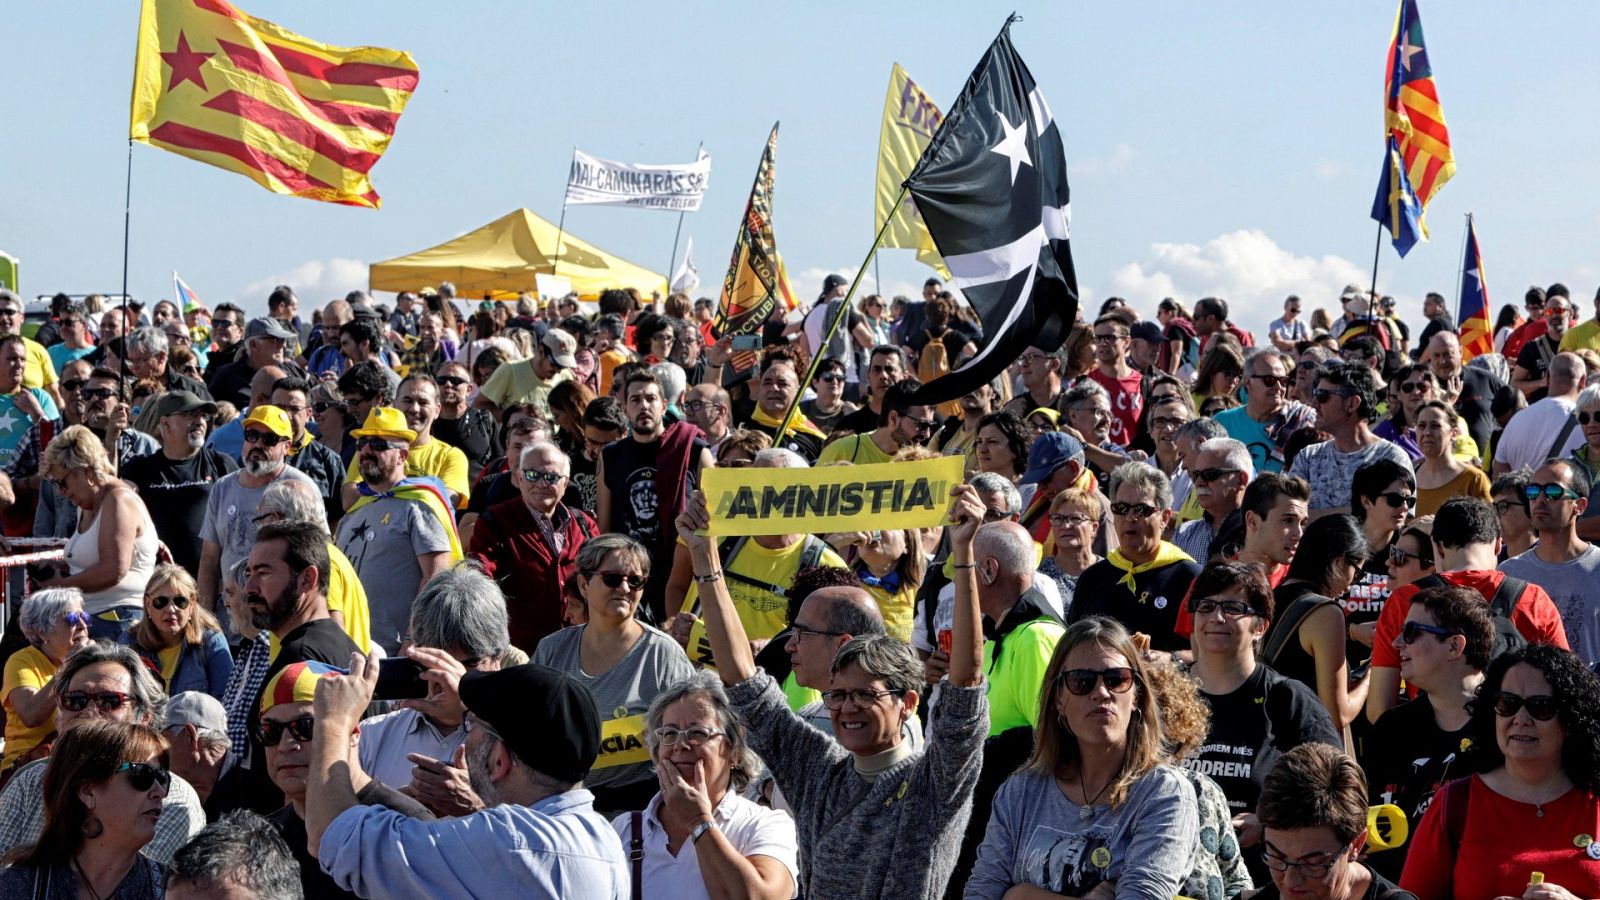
x=694 y=737
x=1306 y=870
x=801 y=631
x=452 y=381
x=378 y=443
x=106 y=701
x=162 y=602
x=1231 y=609
x=1073 y=519
x=1400 y=556
x=1278 y=381
x=1161 y=423
x=299 y=728
x=1411 y=632
x=1541 y=706
x=617 y=579
x=1552 y=492
x=1109 y=338
x=1081 y=681
x=141 y=776
x=921 y=426
x=1395 y=499
x=1323 y=395
x=534 y=476
x=72 y=385
x=1029 y=359
x=97 y=393
x=74 y=619
x=1137 y=510
x=861 y=697
x=1414 y=387
x=264 y=438
x=1212 y=473
x=1501 y=507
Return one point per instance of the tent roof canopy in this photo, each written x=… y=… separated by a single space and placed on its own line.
x=505 y=255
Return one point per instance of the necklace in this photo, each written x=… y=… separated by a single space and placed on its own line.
x=86 y=880
x=1086 y=811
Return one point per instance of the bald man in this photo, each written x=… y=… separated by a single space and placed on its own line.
x=1548 y=428
x=1474 y=391
x=828 y=619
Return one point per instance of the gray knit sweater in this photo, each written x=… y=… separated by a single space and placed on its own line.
x=893 y=838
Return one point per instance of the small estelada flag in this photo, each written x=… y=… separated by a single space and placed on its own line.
x=296 y=116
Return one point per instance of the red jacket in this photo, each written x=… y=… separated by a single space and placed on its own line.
x=508 y=545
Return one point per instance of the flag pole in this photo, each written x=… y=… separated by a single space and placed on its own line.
x=833 y=326
x=561 y=229
x=1463 y=255
x=679 y=233
x=127 y=218
x=1377 y=247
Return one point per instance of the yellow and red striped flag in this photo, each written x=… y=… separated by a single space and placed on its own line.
x=296 y=116
x=1412 y=112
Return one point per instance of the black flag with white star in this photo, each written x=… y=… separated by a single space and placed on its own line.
x=992 y=187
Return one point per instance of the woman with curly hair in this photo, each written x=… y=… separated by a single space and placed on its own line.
x=1536 y=722
x=1002 y=445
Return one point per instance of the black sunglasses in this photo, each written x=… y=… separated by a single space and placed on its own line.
x=1411 y=632
x=378 y=443
x=142 y=775
x=1396 y=499
x=1541 y=706
x=299 y=728
x=264 y=438
x=322 y=406
x=1138 y=510
x=534 y=476
x=1081 y=681
x=107 y=701
x=71 y=385
x=616 y=579
x=1274 y=380
x=161 y=602
x=1212 y=473
x=97 y=393
x=452 y=380
x=1583 y=417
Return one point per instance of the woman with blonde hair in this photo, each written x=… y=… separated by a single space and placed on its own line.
x=1097 y=801
x=179 y=638
x=112 y=552
x=1075 y=515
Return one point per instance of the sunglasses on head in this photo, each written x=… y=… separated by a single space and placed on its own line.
x=272 y=732
x=142 y=775
x=107 y=701
x=1081 y=681
x=1541 y=706
x=617 y=579
x=263 y=438
x=1411 y=632
x=1396 y=499
x=1550 y=492
x=161 y=602
x=534 y=476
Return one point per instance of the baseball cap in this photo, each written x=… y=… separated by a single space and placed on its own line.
x=833 y=281
x=1143 y=330
x=199 y=709
x=174 y=403
x=271 y=418
x=545 y=716
x=266 y=326
x=1050 y=451
x=561 y=346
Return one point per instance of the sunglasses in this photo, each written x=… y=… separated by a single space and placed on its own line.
x=1081 y=681
x=832 y=378
x=141 y=776
x=1551 y=492
x=378 y=443
x=161 y=602
x=1108 y=338
x=74 y=619
x=922 y=426
x=534 y=476
x=322 y=406
x=1305 y=366
x=1137 y=510
x=1541 y=706
x=1400 y=556
x=618 y=579
x=106 y=701
x=452 y=380
x=1414 y=387
x=72 y=385
x=1212 y=473
x=97 y=393
x=1279 y=381
x=1395 y=499
x=264 y=438
x=1411 y=632
x=1323 y=395
x=299 y=728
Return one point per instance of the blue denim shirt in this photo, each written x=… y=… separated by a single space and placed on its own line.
x=557 y=848
x=204 y=668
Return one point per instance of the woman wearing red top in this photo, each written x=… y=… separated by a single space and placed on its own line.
x=1535 y=808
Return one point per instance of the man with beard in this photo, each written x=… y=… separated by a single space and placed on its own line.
x=393 y=534
x=229 y=529
x=709 y=407
x=147 y=351
x=418 y=401
x=467 y=428
x=902 y=424
x=1041 y=381
x=960 y=434
x=643 y=481
x=176 y=481
x=229 y=438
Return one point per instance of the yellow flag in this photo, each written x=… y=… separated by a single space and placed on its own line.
x=296 y=116
x=909 y=120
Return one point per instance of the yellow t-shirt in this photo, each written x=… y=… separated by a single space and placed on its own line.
x=169 y=664
x=347 y=597
x=436 y=459
x=860 y=449
x=28 y=668
x=1584 y=336
x=38 y=371
x=898 y=609
x=762 y=613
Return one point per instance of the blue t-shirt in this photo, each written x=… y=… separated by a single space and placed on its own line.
x=61 y=354
x=14 y=423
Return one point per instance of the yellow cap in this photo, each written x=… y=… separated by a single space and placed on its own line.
x=272 y=418
x=385 y=422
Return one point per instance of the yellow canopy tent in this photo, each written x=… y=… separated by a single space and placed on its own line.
x=505 y=255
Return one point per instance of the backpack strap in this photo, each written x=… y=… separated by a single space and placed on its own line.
x=1507 y=596
x=1455 y=796
x=636 y=852
x=1286 y=626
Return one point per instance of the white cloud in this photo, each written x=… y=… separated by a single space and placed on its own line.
x=1246 y=268
x=1328 y=170
x=316 y=282
x=1115 y=163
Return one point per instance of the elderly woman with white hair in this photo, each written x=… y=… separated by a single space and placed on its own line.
x=699 y=837
x=55 y=625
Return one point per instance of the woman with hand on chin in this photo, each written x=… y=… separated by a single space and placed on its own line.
x=1097 y=811
x=862 y=801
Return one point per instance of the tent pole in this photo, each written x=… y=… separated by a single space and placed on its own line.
x=127 y=213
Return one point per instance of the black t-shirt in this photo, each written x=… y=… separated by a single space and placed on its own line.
x=175 y=493
x=1364 y=601
x=1151 y=608
x=1534 y=357
x=494 y=487
x=1251 y=727
x=475 y=434
x=859 y=422
x=1407 y=758
x=313 y=881
x=1479 y=390
x=828 y=423
x=631 y=477
x=1435 y=325
x=1381 y=888
x=320 y=640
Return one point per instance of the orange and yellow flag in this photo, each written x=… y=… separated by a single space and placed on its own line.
x=294 y=115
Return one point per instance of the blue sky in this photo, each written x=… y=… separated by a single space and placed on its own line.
x=1225 y=147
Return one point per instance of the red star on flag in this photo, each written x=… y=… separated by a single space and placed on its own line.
x=185 y=64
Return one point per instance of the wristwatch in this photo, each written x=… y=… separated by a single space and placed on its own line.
x=702 y=828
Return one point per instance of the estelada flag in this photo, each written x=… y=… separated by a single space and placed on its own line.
x=756 y=281
x=909 y=120
x=296 y=116
x=1477 y=333
x=1412 y=112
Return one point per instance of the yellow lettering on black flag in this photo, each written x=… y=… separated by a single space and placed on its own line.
x=908 y=494
x=910 y=118
x=622 y=742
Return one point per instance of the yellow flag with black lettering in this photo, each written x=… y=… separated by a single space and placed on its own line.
x=909 y=121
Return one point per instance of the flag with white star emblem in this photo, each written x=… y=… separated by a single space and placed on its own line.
x=1477 y=334
x=992 y=187
x=1412 y=112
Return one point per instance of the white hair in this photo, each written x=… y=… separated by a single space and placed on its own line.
x=781 y=458
x=545 y=447
x=1235 y=454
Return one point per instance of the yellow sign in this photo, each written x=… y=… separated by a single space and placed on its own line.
x=910 y=118
x=622 y=742
x=908 y=494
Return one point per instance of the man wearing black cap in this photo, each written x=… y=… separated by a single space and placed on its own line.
x=175 y=481
x=532 y=735
x=265 y=339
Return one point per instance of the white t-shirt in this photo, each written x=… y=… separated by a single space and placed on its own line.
x=752 y=829
x=1289 y=331
x=1527 y=437
x=816 y=320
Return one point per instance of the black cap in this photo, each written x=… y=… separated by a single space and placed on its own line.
x=174 y=403
x=545 y=716
x=1146 y=330
x=833 y=281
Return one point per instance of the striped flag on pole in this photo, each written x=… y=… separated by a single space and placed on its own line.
x=1477 y=332
x=296 y=116
x=185 y=295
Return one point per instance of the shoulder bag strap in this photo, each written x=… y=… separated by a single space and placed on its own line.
x=636 y=852
x=1288 y=625
x=1561 y=439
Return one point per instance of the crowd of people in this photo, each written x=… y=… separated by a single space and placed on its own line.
x=418 y=600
